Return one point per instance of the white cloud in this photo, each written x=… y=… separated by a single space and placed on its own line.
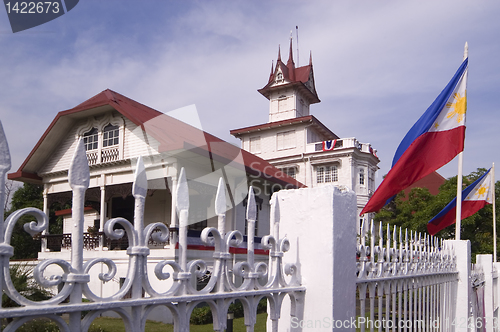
x=378 y=65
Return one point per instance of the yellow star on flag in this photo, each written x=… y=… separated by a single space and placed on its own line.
x=459 y=107
x=481 y=191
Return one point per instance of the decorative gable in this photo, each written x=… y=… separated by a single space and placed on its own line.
x=103 y=138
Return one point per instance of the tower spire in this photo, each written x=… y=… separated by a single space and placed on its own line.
x=290 y=56
x=290 y=64
x=310 y=58
x=272 y=71
x=279 y=53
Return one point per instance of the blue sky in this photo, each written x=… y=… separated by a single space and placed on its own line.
x=378 y=65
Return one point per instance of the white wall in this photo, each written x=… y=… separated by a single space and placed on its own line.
x=320 y=224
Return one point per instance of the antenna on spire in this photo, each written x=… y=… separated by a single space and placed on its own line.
x=297 y=34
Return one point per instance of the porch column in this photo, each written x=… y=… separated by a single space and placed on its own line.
x=46 y=211
x=173 y=213
x=102 y=213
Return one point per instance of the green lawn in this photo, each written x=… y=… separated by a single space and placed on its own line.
x=116 y=325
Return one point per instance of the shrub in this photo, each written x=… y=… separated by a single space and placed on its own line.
x=42 y=325
x=203 y=315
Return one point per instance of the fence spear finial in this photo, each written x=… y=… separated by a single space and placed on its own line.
x=140 y=185
x=275 y=216
x=5 y=161
x=251 y=206
x=394 y=237
x=182 y=193
x=220 y=207
x=79 y=173
x=220 y=198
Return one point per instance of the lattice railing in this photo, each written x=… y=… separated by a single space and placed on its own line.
x=406 y=283
x=110 y=154
x=258 y=279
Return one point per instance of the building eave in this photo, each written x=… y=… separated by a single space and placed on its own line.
x=284 y=123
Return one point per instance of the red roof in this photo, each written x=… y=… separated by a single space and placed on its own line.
x=298 y=78
x=178 y=136
x=288 y=122
x=432 y=182
x=69 y=211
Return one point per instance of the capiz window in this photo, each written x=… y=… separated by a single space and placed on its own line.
x=290 y=171
x=111 y=135
x=286 y=140
x=361 y=176
x=91 y=139
x=255 y=144
x=325 y=174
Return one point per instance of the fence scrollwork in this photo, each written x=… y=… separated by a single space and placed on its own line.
x=256 y=279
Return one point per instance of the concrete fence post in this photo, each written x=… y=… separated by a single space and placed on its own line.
x=320 y=224
x=464 y=288
x=486 y=262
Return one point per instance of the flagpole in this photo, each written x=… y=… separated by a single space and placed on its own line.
x=459 y=176
x=494 y=214
x=459 y=196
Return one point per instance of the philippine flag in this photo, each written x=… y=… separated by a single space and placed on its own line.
x=474 y=198
x=433 y=141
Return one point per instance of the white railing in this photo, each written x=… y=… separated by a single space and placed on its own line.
x=342 y=143
x=485 y=293
x=405 y=283
x=258 y=279
x=110 y=154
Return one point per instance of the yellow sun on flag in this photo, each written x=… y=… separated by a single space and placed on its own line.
x=459 y=107
x=481 y=191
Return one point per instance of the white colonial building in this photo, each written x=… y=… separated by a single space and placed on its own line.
x=299 y=144
x=116 y=130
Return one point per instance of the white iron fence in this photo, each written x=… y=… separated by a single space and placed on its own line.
x=398 y=283
x=258 y=280
x=405 y=283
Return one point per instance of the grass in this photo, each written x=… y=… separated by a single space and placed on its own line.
x=116 y=325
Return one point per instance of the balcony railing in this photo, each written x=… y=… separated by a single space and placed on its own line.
x=344 y=143
x=91 y=241
x=104 y=155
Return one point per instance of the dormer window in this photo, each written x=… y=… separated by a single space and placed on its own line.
x=279 y=77
x=91 y=139
x=103 y=139
x=111 y=135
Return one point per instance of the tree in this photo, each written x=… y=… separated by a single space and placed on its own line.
x=31 y=195
x=420 y=207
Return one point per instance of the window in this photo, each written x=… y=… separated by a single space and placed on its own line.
x=361 y=177
x=325 y=174
x=111 y=135
x=91 y=139
x=290 y=171
x=103 y=138
x=279 y=77
x=255 y=144
x=282 y=104
x=286 y=140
